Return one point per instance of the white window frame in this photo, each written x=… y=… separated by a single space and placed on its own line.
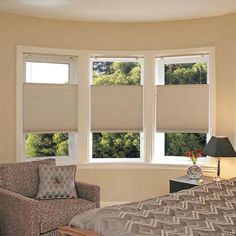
x=72 y=61
x=160 y=63
x=128 y=58
x=83 y=153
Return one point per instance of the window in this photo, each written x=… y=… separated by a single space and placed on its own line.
x=180 y=71
x=46 y=70
x=106 y=107
x=115 y=72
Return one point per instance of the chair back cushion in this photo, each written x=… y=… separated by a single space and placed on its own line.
x=22 y=178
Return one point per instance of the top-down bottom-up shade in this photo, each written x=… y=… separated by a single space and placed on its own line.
x=182 y=108
x=50 y=107
x=117 y=108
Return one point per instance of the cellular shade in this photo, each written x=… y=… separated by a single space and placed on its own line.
x=117 y=108
x=182 y=108
x=50 y=107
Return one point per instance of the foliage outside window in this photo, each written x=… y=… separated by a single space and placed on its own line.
x=178 y=144
x=116 y=145
x=46 y=145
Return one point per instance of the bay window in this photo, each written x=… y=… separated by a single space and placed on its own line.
x=145 y=107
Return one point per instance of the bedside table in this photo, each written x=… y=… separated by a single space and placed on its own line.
x=184 y=182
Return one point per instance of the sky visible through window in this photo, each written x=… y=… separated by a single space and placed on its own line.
x=52 y=73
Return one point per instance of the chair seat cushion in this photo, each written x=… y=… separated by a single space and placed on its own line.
x=58 y=212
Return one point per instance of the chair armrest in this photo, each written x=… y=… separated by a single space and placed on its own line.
x=89 y=192
x=19 y=215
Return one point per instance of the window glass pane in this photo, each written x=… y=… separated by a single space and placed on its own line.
x=116 y=145
x=116 y=73
x=186 y=73
x=52 y=73
x=178 y=144
x=45 y=145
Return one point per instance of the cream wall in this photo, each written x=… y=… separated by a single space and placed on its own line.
x=118 y=184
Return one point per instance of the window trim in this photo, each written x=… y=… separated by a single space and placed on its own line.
x=72 y=79
x=84 y=98
x=50 y=57
x=140 y=60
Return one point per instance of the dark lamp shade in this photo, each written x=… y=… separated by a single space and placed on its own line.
x=219 y=147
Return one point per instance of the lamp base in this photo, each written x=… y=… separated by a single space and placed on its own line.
x=217 y=178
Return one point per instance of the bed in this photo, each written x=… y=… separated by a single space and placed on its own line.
x=204 y=210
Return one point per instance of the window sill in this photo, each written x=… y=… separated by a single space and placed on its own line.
x=125 y=165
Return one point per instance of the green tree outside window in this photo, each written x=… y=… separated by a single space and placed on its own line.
x=45 y=145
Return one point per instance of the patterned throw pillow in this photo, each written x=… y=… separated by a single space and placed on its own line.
x=56 y=182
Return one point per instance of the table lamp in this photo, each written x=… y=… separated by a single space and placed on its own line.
x=219 y=147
